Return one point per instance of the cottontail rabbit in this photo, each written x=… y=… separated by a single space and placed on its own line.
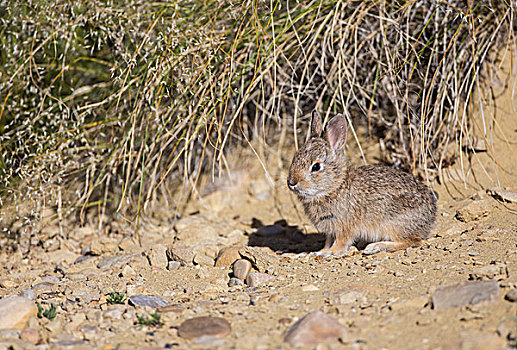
x=379 y=205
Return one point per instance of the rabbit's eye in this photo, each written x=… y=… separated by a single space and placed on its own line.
x=316 y=167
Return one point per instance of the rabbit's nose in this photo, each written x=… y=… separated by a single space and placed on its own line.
x=291 y=182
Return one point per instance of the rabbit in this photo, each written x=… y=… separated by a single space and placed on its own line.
x=385 y=207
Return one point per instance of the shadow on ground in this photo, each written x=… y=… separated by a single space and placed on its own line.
x=283 y=238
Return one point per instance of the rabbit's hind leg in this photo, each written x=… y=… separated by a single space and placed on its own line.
x=388 y=246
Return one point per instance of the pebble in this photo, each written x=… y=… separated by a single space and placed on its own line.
x=28 y=294
x=256 y=279
x=474 y=210
x=309 y=288
x=345 y=297
x=314 y=328
x=270 y=230
x=30 y=334
x=488 y=272
x=9 y=333
x=241 y=269
x=128 y=271
x=173 y=265
x=235 y=282
x=203 y=260
x=205 y=325
x=113 y=261
x=503 y=194
x=90 y=332
x=469 y=293
x=511 y=295
x=147 y=300
x=157 y=256
x=8 y=284
x=227 y=256
x=15 y=311
x=182 y=254
x=103 y=245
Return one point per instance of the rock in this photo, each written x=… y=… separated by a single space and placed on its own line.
x=241 y=268
x=15 y=311
x=474 y=210
x=503 y=194
x=270 y=230
x=157 y=256
x=414 y=303
x=147 y=300
x=128 y=244
x=55 y=326
x=203 y=260
x=511 y=295
x=28 y=294
x=256 y=279
x=31 y=335
x=309 y=288
x=113 y=261
x=9 y=333
x=8 y=284
x=344 y=297
x=227 y=256
x=90 y=332
x=114 y=312
x=488 y=272
x=182 y=254
x=173 y=265
x=259 y=258
x=469 y=293
x=103 y=245
x=314 y=328
x=128 y=271
x=204 y=326
x=235 y=282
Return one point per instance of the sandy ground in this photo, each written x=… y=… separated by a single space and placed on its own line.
x=383 y=300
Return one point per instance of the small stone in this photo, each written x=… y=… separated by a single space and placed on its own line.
x=309 y=288
x=256 y=279
x=8 y=284
x=55 y=326
x=503 y=194
x=241 y=269
x=182 y=254
x=9 y=333
x=113 y=261
x=260 y=258
x=270 y=230
x=314 y=328
x=103 y=245
x=205 y=325
x=227 y=256
x=90 y=332
x=474 y=210
x=28 y=294
x=511 y=295
x=469 y=293
x=345 y=297
x=174 y=265
x=128 y=271
x=203 y=260
x=30 y=334
x=147 y=300
x=235 y=282
x=15 y=311
x=157 y=256
x=488 y=272
x=114 y=312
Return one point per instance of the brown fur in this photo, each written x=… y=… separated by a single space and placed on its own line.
x=383 y=206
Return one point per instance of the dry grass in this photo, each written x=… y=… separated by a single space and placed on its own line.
x=115 y=105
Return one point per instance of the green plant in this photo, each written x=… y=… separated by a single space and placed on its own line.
x=49 y=313
x=116 y=298
x=154 y=320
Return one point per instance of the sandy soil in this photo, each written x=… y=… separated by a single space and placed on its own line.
x=382 y=300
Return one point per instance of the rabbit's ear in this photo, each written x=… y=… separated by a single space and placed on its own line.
x=316 y=126
x=336 y=131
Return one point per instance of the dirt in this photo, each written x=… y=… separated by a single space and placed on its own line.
x=383 y=300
